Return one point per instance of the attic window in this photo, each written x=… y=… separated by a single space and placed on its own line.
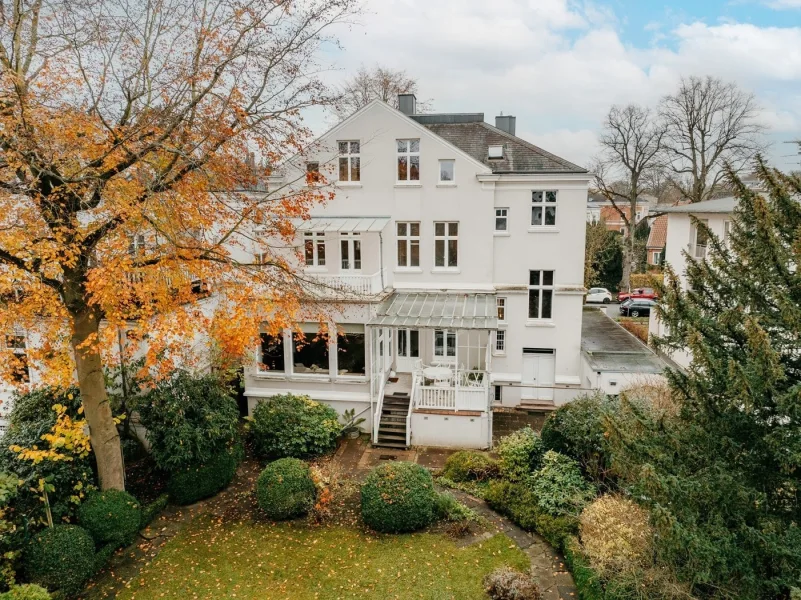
x=496 y=151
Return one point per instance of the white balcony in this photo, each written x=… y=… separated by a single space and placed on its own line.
x=463 y=390
x=348 y=284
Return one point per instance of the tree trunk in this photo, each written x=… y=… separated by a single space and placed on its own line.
x=102 y=430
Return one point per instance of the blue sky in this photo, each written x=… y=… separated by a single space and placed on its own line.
x=558 y=65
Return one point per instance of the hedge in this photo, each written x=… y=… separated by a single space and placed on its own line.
x=26 y=592
x=398 y=497
x=468 y=465
x=588 y=583
x=60 y=558
x=111 y=517
x=195 y=483
x=285 y=489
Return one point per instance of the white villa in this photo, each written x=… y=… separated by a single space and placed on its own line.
x=456 y=251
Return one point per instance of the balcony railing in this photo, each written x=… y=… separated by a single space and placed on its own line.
x=345 y=284
x=469 y=392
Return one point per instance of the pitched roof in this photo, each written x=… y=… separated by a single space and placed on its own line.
x=718 y=205
x=472 y=135
x=658 y=236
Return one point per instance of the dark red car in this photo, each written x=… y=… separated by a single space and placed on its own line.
x=644 y=293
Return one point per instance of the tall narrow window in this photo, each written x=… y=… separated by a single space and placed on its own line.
x=699 y=240
x=313 y=172
x=501 y=219
x=349 y=161
x=351 y=350
x=272 y=352
x=409 y=343
x=444 y=343
x=20 y=372
x=314 y=244
x=446 y=245
x=543 y=208
x=408 y=244
x=136 y=244
x=351 y=249
x=500 y=341
x=500 y=303
x=408 y=160
x=540 y=294
x=447 y=171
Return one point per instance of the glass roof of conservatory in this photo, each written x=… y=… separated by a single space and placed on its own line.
x=343 y=224
x=433 y=310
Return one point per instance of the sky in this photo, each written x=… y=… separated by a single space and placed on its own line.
x=559 y=65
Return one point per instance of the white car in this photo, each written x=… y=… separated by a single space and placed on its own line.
x=599 y=295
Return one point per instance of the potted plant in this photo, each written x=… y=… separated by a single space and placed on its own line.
x=350 y=428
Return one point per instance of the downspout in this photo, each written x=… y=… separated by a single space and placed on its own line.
x=381 y=258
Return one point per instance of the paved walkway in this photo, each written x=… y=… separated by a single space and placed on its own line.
x=357 y=457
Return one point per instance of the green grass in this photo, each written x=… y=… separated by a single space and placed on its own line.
x=295 y=561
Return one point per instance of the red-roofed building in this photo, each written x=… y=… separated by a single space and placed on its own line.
x=657 y=240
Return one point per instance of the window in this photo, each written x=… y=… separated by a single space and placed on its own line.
x=543 y=208
x=657 y=258
x=409 y=343
x=446 y=245
x=501 y=219
x=408 y=160
x=540 y=294
x=136 y=244
x=444 y=343
x=314 y=243
x=498 y=393
x=699 y=240
x=351 y=248
x=311 y=351
x=408 y=244
x=313 y=172
x=272 y=352
x=500 y=340
x=495 y=152
x=726 y=232
x=349 y=161
x=446 y=171
x=350 y=350
x=500 y=303
x=20 y=372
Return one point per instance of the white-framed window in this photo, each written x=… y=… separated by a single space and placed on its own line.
x=408 y=244
x=444 y=343
x=543 y=207
x=409 y=343
x=540 y=294
x=313 y=172
x=350 y=167
x=500 y=341
x=495 y=152
x=314 y=248
x=698 y=240
x=272 y=353
x=446 y=244
x=502 y=219
x=20 y=372
x=658 y=258
x=408 y=160
x=136 y=244
x=500 y=303
x=447 y=171
x=350 y=246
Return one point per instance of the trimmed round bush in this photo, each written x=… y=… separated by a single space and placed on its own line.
x=507 y=584
x=195 y=483
x=26 y=592
x=111 y=517
x=293 y=426
x=285 y=489
x=60 y=558
x=467 y=465
x=616 y=535
x=398 y=497
x=520 y=454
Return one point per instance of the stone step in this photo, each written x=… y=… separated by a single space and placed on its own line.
x=392 y=424
x=534 y=405
x=391 y=436
x=396 y=445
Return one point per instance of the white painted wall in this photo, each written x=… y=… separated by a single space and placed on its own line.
x=450 y=431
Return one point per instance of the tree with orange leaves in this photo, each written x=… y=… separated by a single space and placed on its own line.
x=127 y=198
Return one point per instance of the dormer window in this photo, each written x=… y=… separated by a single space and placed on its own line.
x=495 y=152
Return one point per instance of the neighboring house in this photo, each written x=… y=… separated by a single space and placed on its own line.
x=683 y=236
x=599 y=208
x=457 y=250
x=657 y=238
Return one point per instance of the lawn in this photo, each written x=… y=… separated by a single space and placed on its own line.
x=248 y=560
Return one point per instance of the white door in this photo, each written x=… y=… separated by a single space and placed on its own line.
x=408 y=348
x=538 y=374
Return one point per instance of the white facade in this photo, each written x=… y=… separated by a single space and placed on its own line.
x=478 y=232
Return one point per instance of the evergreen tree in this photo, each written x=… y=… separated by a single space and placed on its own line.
x=603 y=258
x=723 y=477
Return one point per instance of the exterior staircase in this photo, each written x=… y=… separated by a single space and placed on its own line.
x=537 y=405
x=392 y=426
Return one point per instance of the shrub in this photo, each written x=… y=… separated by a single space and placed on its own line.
x=468 y=465
x=507 y=584
x=26 y=592
x=190 y=420
x=448 y=508
x=195 y=483
x=559 y=486
x=398 y=497
x=285 y=489
x=152 y=510
x=795 y=594
x=60 y=558
x=577 y=430
x=293 y=426
x=520 y=454
x=616 y=535
x=588 y=583
x=111 y=517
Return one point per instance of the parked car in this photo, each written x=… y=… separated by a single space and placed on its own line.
x=599 y=295
x=648 y=293
x=637 y=307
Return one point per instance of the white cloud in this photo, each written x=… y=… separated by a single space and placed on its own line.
x=783 y=4
x=558 y=65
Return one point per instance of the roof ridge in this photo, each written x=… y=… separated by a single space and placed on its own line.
x=554 y=157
